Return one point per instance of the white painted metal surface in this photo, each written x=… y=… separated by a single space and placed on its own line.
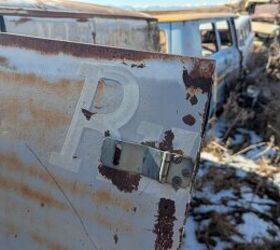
x=58 y=101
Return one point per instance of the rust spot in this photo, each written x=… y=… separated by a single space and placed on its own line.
x=26 y=191
x=193 y=100
x=167 y=142
x=107 y=133
x=124 y=181
x=55 y=47
x=43 y=241
x=88 y=114
x=139 y=66
x=200 y=77
x=22 y=20
x=116 y=238
x=189 y=120
x=164 y=224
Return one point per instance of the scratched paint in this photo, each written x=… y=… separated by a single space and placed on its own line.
x=54 y=117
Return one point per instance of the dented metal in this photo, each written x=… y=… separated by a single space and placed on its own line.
x=58 y=102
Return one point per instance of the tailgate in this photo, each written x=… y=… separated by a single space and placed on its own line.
x=98 y=145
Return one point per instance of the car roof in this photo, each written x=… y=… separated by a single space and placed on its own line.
x=192 y=16
x=65 y=8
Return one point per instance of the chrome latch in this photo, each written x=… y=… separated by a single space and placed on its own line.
x=153 y=163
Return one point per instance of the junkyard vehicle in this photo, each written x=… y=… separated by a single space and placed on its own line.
x=267 y=13
x=266 y=32
x=250 y=5
x=266 y=19
x=98 y=145
x=80 y=22
x=222 y=37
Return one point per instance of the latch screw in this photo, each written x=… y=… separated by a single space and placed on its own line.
x=176 y=182
x=177 y=159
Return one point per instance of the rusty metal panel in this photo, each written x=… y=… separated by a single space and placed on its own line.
x=127 y=33
x=65 y=8
x=59 y=102
x=267 y=12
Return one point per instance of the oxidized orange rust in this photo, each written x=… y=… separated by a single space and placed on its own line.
x=164 y=224
x=42 y=241
x=112 y=222
x=54 y=47
x=200 y=77
x=12 y=108
x=105 y=197
x=26 y=191
x=61 y=87
x=167 y=142
x=124 y=181
x=10 y=162
x=189 y=120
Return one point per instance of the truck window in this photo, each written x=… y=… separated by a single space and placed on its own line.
x=208 y=39
x=223 y=28
x=2 y=24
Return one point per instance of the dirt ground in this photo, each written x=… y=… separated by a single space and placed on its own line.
x=236 y=203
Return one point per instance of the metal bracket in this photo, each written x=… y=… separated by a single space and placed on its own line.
x=162 y=166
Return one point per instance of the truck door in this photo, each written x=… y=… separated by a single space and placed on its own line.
x=98 y=145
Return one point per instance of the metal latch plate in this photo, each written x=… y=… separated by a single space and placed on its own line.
x=153 y=163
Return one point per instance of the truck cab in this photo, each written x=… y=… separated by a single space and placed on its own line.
x=225 y=38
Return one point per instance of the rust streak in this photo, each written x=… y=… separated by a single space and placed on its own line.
x=61 y=87
x=27 y=192
x=100 y=196
x=43 y=241
x=164 y=224
x=124 y=181
x=13 y=108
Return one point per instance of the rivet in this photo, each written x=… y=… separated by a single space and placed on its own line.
x=176 y=182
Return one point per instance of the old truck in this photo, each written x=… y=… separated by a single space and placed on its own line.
x=98 y=145
x=223 y=37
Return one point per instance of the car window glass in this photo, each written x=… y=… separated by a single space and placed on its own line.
x=223 y=28
x=208 y=39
